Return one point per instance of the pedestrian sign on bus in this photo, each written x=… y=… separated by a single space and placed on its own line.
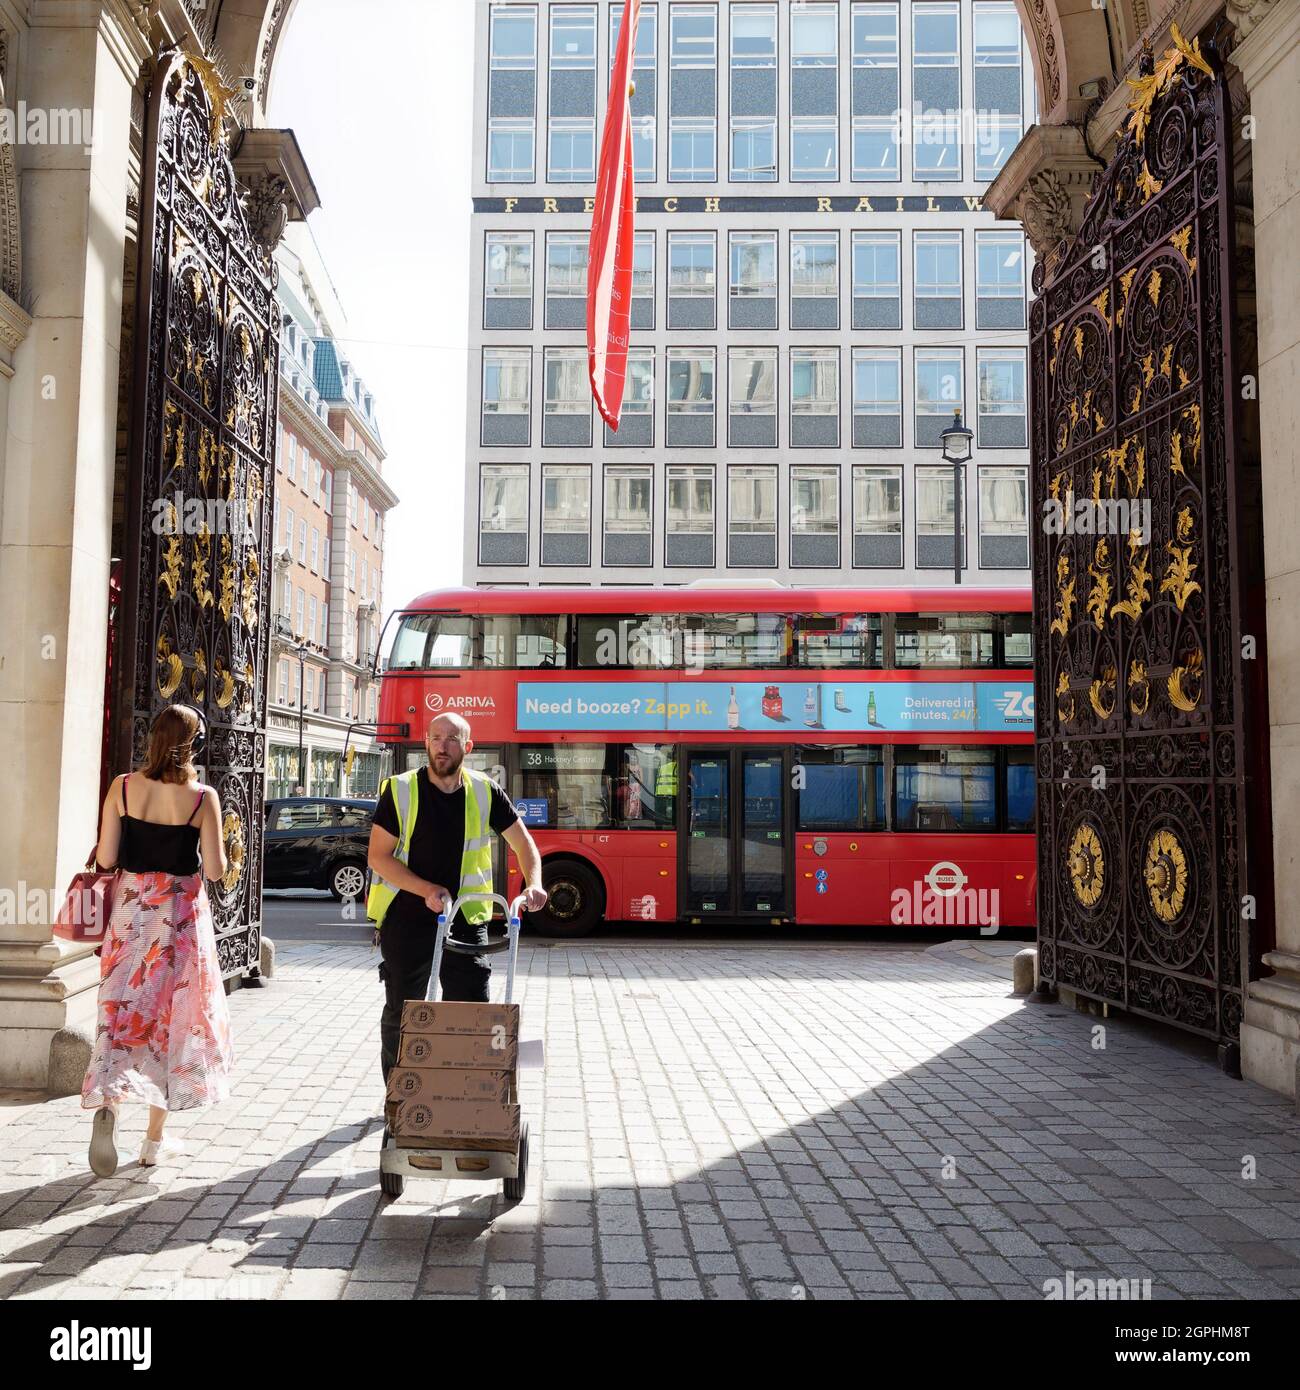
x=821 y=887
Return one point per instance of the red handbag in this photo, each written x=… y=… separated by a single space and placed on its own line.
x=88 y=904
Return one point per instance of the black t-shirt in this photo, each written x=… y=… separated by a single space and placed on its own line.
x=437 y=841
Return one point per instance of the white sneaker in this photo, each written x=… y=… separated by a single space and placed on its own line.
x=160 y=1151
x=103 y=1149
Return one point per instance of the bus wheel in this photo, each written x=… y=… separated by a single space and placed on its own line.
x=575 y=900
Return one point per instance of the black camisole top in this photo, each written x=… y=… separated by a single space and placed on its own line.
x=150 y=848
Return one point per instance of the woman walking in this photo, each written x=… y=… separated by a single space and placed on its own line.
x=163 y=1035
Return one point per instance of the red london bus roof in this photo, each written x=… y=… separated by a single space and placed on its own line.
x=692 y=599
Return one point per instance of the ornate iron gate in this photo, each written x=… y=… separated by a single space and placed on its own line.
x=201 y=485
x=1143 y=838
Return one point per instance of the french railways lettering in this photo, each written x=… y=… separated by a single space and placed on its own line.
x=849 y=756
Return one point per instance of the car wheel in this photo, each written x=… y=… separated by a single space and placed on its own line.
x=347 y=881
x=575 y=901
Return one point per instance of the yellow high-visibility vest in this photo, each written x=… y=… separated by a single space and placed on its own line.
x=475 y=860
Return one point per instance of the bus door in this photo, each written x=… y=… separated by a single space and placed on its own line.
x=735 y=840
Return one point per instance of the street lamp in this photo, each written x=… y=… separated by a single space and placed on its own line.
x=956 y=451
x=301 y=652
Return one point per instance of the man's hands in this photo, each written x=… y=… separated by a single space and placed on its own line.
x=437 y=898
x=534 y=899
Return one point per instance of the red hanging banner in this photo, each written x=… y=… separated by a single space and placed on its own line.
x=609 y=252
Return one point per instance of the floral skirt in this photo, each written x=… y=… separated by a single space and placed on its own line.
x=163 y=1035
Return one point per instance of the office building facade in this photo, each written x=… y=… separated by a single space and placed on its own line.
x=816 y=290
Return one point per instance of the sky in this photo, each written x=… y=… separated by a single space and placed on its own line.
x=380 y=97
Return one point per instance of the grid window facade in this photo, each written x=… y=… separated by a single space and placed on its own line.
x=689 y=523
x=629 y=515
x=877 y=517
x=503 y=515
x=752 y=290
x=1004 y=518
x=692 y=93
x=566 y=514
x=751 y=517
x=751 y=413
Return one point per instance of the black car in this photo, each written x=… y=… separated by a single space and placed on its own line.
x=318 y=842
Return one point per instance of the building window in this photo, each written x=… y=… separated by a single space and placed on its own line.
x=814 y=280
x=293 y=458
x=1004 y=518
x=999 y=280
x=299 y=607
x=566 y=280
x=877 y=300
x=689 y=530
x=690 y=398
x=877 y=517
x=566 y=514
x=814 y=518
x=283 y=680
x=937 y=280
x=288 y=527
x=306 y=470
x=753 y=93
x=279 y=450
x=512 y=93
x=325 y=557
x=876 y=95
x=643 y=280
x=692 y=279
x=508 y=280
x=644 y=73
x=315 y=550
x=571 y=124
x=934 y=517
x=323 y=632
x=998 y=106
x=506 y=399
x=352 y=570
x=503 y=514
x=302 y=542
x=938 y=393
x=692 y=94
x=751 y=415
x=566 y=418
x=877 y=398
x=571 y=151
x=751 y=517
x=1002 y=423
x=814 y=97
x=636 y=422
x=629 y=536
x=814 y=398
x=311 y=623
x=751 y=298
x=936 y=92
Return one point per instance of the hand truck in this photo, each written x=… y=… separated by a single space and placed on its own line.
x=396 y=1165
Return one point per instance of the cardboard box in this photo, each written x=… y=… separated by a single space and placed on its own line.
x=456 y=1124
x=431 y=1084
x=423 y=1016
x=456 y=1050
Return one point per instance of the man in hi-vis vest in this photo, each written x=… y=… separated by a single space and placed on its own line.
x=431 y=840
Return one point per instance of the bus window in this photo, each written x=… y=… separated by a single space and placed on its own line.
x=645 y=787
x=945 y=789
x=730 y=641
x=842 y=789
x=573 y=781
x=838 y=641
x=1017 y=640
x=451 y=642
x=1020 y=789
x=526 y=641
x=943 y=639
x=411 y=642
x=648 y=641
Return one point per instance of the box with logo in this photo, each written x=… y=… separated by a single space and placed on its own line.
x=431 y=1084
x=455 y=1124
x=458 y=1050
x=429 y=1016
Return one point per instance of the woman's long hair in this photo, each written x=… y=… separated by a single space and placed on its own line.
x=171 y=746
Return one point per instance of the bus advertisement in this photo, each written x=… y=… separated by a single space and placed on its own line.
x=856 y=757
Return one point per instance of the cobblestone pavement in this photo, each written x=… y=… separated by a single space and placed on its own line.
x=731 y=1123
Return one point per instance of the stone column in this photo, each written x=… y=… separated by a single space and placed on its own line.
x=1268 y=58
x=57 y=485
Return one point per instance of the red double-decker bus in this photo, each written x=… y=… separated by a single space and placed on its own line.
x=765 y=755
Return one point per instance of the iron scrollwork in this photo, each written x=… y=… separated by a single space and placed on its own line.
x=1141 y=877
x=202 y=473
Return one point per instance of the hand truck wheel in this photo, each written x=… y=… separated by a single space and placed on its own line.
x=514 y=1187
x=390 y=1184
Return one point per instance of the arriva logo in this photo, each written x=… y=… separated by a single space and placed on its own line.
x=435 y=702
x=1016 y=704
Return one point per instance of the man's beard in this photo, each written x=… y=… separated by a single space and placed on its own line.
x=446 y=764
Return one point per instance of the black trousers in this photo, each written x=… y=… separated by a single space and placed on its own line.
x=407 y=949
